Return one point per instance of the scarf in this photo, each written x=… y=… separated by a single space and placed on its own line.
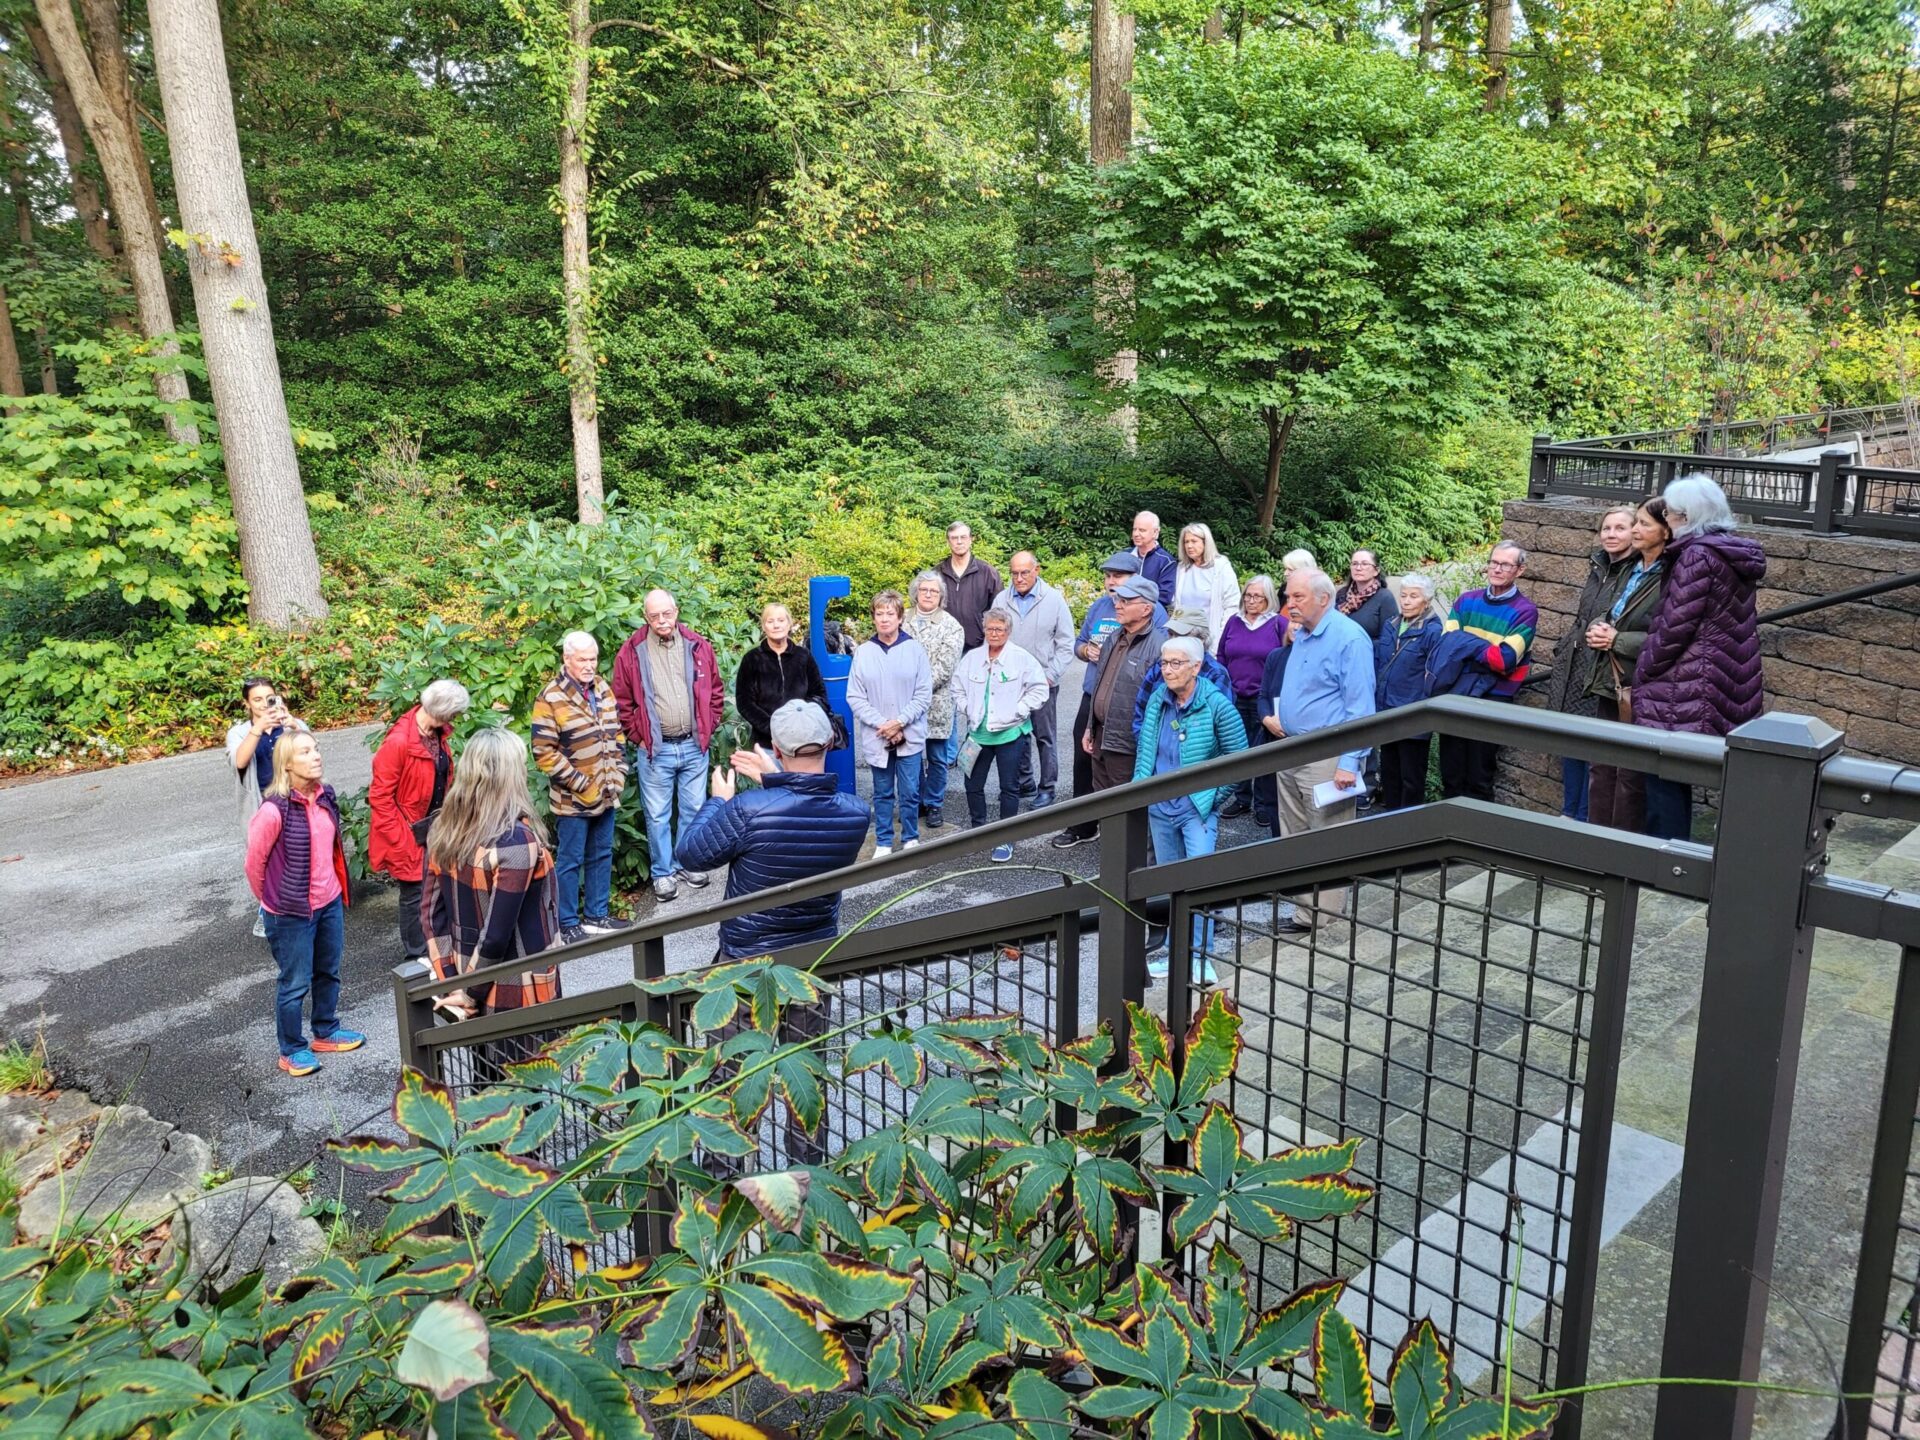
x=1358 y=593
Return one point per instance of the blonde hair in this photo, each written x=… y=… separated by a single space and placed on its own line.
x=1297 y=560
x=1209 y=552
x=488 y=796
x=282 y=782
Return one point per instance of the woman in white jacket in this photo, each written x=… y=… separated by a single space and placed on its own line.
x=996 y=690
x=1205 y=582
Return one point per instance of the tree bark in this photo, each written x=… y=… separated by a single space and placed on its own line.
x=23 y=222
x=576 y=270
x=1215 y=29
x=110 y=64
x=13 y=383
x=1278 y=428
x=124 y=165
x=1428 y=13
x=1499 y=44
x=1110 y=133
x=236 y=328
x=73 y=141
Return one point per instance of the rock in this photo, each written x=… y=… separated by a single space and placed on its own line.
x=137 y=1170
x=253 y=1223
x=27 y=1120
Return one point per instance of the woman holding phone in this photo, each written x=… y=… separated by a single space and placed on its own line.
x=250 y=745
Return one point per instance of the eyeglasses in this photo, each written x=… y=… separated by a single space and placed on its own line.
x=1178 y=664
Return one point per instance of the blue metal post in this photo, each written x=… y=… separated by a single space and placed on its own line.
x=823 y=590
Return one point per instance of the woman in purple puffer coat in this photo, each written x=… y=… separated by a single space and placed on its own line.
x=1699 y=670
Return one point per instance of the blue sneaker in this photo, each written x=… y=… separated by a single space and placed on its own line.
x=301 y=1062
x=1203 y=973
x=1002 y=854
x=1157 y=965
x=338 y=1041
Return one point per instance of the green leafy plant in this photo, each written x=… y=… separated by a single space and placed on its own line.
x=24 y=1067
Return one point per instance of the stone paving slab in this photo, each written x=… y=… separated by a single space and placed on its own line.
x=252 y=1223
x=137 y=1170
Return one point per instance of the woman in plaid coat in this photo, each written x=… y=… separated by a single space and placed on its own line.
x=489 y=893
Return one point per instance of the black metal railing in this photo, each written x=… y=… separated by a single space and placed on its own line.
x=1827 y=494
x=1461 y=1009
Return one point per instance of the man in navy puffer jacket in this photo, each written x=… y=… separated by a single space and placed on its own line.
x=795 y=826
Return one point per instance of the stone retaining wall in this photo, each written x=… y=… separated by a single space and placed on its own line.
x=1856 y=666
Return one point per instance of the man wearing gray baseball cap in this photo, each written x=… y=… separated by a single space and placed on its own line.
x=796 y=825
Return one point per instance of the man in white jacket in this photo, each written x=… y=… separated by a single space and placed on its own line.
x=996 y=692
x=1043 y=627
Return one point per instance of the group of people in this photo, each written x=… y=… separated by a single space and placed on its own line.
x=1183 y=664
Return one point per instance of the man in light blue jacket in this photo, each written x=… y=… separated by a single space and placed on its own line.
x=1043 y=627
x=888 y=691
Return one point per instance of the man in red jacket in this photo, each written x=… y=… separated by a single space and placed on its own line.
x=666 y=685
x=411 y=772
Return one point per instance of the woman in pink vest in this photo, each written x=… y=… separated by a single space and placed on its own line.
x=297 y=866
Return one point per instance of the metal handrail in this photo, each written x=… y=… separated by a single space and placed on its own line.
x=1840 y=597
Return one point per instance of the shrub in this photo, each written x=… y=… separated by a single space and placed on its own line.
x=961 y=1270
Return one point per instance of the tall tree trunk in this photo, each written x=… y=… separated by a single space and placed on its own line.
x=1499 y=43
x=66 y=118
x=1215 y=29
x=576 y=270
x=23 y=222
x=236 y=329
x=13 y=382
x=110 y=64
x=124 y=165
x=1428 y=13
x=1111 y=136
x=1278 y=428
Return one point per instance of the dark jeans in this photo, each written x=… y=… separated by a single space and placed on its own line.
x=1616 y=797
x=1259 y=789
x=1403 y=773
x=583 y=843
x=413 y=930
x=1010 y=760
x=1082 y=762
x=1466 y=767
x=1573 y=788
x=307 y=948
x=1669 y=809
x=1046 y=743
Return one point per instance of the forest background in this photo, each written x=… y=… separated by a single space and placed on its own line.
x=846 y=270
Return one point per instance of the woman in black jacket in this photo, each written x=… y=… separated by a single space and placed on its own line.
x=1574 y=660
x=1614 y=639
x=775 y=671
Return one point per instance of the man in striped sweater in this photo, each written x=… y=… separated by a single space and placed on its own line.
x=1506 y=620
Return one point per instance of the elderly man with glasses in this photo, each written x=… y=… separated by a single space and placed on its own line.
x=1506 y=621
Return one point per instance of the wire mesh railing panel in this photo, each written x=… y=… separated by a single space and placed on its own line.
x=1896 y=1411
x=1443 y=1015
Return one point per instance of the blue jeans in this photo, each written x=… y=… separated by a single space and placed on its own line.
x=675 y=770
x=307 y=949
x=901 y=775
x=1669 y=809
x=583 y=842
x=937 y=760
x=1573 y=788
x=1181 y=839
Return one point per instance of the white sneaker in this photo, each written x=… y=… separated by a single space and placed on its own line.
x=911 y=845
x=880 y=852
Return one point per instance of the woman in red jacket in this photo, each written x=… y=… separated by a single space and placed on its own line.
x=411 y=772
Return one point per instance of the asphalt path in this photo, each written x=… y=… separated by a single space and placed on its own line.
x=125 y=938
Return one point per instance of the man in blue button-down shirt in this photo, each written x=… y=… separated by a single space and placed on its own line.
x=1328 y=680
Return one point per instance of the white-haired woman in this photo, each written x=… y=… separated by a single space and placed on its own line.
x=1252 y=633
x=490 y=894
x=942 y=637
x=1699 y=670
x=1205 y=582
x=411 y=772
x=1400 y=678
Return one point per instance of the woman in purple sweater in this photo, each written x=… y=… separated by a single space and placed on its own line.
x=1250 y=635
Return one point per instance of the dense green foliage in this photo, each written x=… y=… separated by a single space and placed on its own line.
x=841 y=294
x=964 y=1269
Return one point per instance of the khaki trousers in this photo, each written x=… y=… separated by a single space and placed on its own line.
x=1298 y=815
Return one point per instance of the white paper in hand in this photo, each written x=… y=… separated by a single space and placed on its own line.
x=1327 y=793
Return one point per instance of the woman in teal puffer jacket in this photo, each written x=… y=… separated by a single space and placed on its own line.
x=1188 y=722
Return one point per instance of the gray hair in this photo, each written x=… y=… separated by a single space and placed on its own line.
x=1424 y=584
x=998 y=616
x=1297 y=560
x=1702 y=501
x=578 y=640
x=1187 y=645
x=928 y=577
x=1150 y=516
x=1264 y=584
x=1519 y=552
x=1318 y=582
x=1209 y=552
x=445 y=700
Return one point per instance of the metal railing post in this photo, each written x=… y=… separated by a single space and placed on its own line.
x=1540 y=468
x=1753 y=995
x=412 y=1018
x=1660 y=474
x=1122 y=972
x=1829 y=497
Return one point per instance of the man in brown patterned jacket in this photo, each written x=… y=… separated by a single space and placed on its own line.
x=578 y=743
